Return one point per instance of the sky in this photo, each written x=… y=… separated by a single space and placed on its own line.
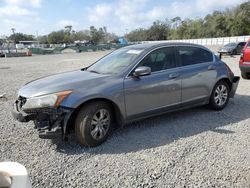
x=119 y=16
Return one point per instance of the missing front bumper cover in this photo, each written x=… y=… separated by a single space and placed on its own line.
x=49 y=122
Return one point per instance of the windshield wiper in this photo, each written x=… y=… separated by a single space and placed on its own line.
x=84 y=69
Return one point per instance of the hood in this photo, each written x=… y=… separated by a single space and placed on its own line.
x=61 y=82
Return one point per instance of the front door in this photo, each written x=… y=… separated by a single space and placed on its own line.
x=161 y=89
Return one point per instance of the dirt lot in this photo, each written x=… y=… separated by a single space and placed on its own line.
x=191 y=148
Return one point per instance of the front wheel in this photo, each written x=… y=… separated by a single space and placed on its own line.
x=93 y=124
x=220 y=96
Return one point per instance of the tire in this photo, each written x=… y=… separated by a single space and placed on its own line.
x=94 y=123
x=220 y=96
x=244 y=75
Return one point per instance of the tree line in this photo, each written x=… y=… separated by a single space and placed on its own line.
x=68 y=35
x=231 y=22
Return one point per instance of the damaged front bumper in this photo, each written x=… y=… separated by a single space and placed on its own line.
x=49 y=122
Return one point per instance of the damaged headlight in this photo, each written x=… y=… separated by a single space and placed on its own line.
x=51 y=100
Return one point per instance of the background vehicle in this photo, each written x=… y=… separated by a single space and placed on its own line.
x=129 y=84
x=244 y=63
x=232 y=48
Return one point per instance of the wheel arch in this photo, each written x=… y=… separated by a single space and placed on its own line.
x=222 y=79
x=225 y=79
x=119 y=119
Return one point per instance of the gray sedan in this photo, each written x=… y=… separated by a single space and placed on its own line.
x=232 y=48
x=129 y=84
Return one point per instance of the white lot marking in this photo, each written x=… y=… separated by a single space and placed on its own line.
x=71 y=60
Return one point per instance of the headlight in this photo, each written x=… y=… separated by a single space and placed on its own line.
x=51 y=100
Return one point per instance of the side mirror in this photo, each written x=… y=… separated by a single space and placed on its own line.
x=142 y=71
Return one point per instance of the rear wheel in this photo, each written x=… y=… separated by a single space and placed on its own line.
x=94 y=124
x=220 y=96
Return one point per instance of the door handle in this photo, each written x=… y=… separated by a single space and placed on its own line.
x=211 y=67
x=174 y=75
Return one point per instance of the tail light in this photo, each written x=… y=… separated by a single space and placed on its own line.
x=241 y=56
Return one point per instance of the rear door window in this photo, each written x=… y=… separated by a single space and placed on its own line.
x=189 y=55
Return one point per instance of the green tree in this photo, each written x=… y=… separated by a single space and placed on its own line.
x=241 y=20
x=68 y=28
x=96 y=35
x=43 y=39
x=231 y=22
x=137 y=35
x=81 y=35
x=21 y=37
x=175 y=22
x=56 y=37
x=158 y=31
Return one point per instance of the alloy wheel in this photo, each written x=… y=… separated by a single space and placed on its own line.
x=100 y=124
x=220 y=95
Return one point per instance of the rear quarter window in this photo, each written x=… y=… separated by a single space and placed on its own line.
x=193 y=55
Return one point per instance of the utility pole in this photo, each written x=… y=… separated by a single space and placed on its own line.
x=38 y=43
x=13 y=31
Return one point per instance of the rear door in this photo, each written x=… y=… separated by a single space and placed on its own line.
x=198 y=73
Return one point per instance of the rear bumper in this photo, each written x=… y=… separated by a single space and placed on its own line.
x=245 y=68
x=225 y=52
x=235 y=83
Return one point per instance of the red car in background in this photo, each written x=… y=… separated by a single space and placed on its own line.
x=245 y=61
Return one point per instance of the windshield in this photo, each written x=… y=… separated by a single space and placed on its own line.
x=115 y=62
x=230 y=45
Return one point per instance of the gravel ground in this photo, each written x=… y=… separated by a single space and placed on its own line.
x=191 y=148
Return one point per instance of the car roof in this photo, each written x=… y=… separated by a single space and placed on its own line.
x=232 y=43
x=152 y=45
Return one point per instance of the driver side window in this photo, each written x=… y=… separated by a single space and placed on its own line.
x=160 y=59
